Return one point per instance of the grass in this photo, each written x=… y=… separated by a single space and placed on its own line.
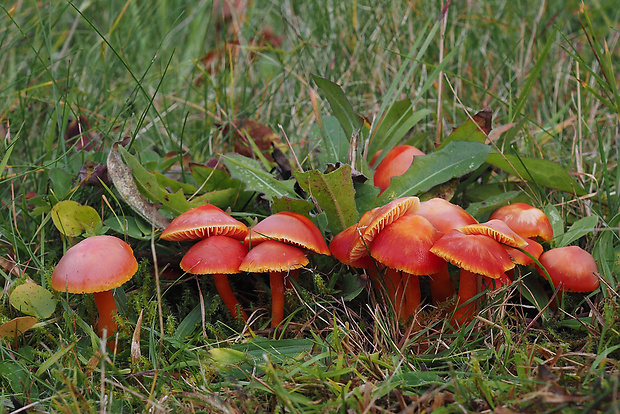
x=137 y=69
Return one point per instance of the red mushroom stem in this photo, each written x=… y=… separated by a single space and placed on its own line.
x=228 y=297
x=441 y=285
x=107 y=308
x=276 y=281
x=468 y=288
x=413 y=296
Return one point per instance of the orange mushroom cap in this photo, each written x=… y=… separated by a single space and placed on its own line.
x=396 y=162
x=202 y=222
x=340 y=247
x=405 y=245
x=96 y=264
x=291 y=228
x=533 y=248
x=273 y=256
x=473 y=252
x=571 y=266
x=215 y=254
x=383 y=216
x=444 y=215
x=526 y=220
x=498 y=231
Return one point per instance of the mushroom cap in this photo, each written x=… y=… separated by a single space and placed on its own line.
x=273 y=256
x=96 y=264
x=572 y=266
x=291 y=228
x=214 y=255
x=405 y=245
x=396 y=162
x=498 y=231
x=381 y=217
x=202 y=222
x=444 y=215
x=474 y=252
x=534 y=248
x=526 y=220
x=340 y=247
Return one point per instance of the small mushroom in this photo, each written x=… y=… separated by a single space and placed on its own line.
x=572 y=268
x=202 y=222
x=218 y=256
x=275 y=258
x=96 y=265
x=525 y=220
x=395 y=163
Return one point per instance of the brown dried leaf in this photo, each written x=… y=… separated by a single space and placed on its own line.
x=136 y=354
x=241 y=130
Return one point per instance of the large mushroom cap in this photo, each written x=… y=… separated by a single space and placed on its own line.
x=444 y=215
x=571 y=266
x=273 y=256
x=526 y=220
x=291 y=228
x=405 y=245
x=476 y=253
x=214 y=255
x=202 y=222
x=96 y=264
x=381 y=217
x=340 y=247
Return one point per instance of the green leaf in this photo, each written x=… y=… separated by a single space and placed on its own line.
x=491 y=203
x=557 y=223
x=541 y=172
x=334 y=143
x=468 y=131
x=350 y=121
x=252 y=174
x=295 y=205
x=33 y=300
x=579 y=229
x=61 y=181
x=128 y=225
x=455 y=160
x=398 y=121
x=334 y=193
x=72 y=219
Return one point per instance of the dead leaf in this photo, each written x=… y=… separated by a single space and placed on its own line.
x=241 y=130
x=79 y=133
x=136 y=354
x=92 y=174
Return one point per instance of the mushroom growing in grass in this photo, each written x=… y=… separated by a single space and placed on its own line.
x=395 y=163
x=475 y=254
x=525 y=220
x=205 y=222
x=96 y=265
x=275 y=258
x=572 y=268
x=404 y=246
x=218 y=256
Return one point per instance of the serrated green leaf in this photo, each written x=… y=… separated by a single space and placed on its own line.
x=334 y=193
x=468 y=131
x=541 y=172
x=295 y=205
x=579 y=229
x=255 y=178
x=398 y=121
x=455 y=160
x=350 y=121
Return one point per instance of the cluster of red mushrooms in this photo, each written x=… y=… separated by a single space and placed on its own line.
x=395 y=244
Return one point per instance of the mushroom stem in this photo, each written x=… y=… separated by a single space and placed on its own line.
x=413 y=296
x=468 y=288
x=107 y=308
x=441 y=285
x=276 y=281
x=395 y=291
x=228 y=297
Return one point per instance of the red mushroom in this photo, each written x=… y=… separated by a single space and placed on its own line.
x=218 y=256
x=202 y=222
x=396 y=162
x=476 y=255
x=276 y=258
x=96 y=265
x=525 y=220
x=572 y=268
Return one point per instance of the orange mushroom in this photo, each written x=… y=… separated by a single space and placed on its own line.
x=276 y=258
x=204 y=221
x=476 y=255
x=218 y=256
x=572 y=268
x=96 y=265
x=396 y=162
x=525 y=220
